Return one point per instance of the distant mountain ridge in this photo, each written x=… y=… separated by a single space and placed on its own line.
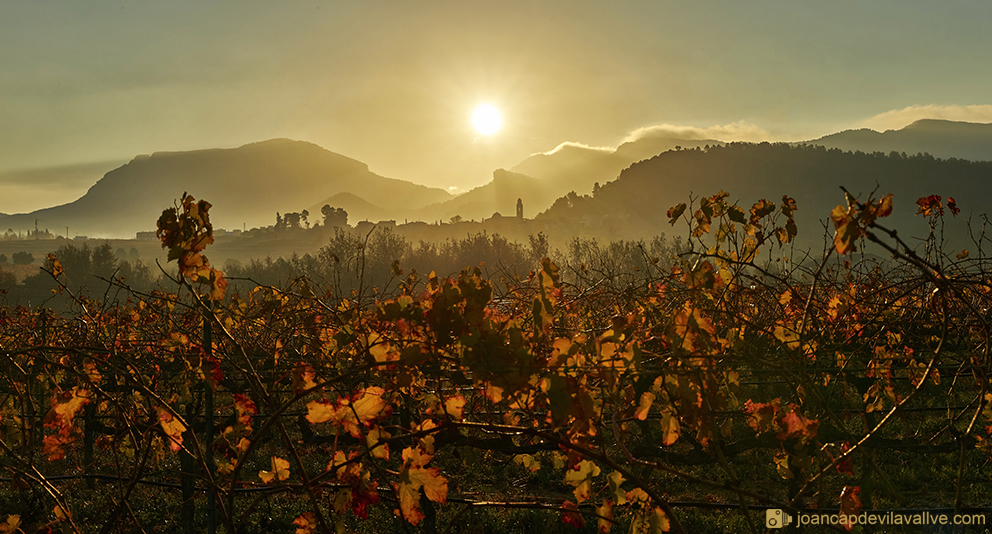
x=247 y=186
x=542 y=178
x=939 y=138
x=635 y=205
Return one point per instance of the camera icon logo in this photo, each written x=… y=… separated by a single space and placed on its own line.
x=776 y=518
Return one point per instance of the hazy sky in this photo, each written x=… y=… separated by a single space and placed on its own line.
x=394 y=84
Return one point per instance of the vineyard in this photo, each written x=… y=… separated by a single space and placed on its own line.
x=690 y=396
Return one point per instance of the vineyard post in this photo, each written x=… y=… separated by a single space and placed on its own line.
x=208 y=401
x=89 y=424
x=187 y=464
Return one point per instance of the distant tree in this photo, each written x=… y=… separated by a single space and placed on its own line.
x=291 y=220
x=104 y=261
x=23 y=258
x=120 y=254
x=77 y=262
x=3 y=258
x=133 y=255
x=334 y=217
x=135 y=274
x=280 y=224
x=7 y=279
x=539 y=248
x=304 y=216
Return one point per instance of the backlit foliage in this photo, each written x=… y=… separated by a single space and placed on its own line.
x=620 y=396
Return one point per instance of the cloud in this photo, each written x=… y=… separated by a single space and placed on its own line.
x=569 y=144
x=735 y=131
x=900 y=118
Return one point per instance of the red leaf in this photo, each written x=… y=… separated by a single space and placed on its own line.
x=570 y=515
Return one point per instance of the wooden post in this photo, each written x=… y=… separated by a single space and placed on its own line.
x=188 y=464
x=208 y=401
x=89 y=428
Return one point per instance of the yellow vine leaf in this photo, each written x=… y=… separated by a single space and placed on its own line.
x=528 y=461
x=645 y=406
x=12 y=524
x=616 y=493
x=606 y=513
x=581 y=477
x=61 y=514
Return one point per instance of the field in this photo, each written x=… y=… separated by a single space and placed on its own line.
x=688 y=393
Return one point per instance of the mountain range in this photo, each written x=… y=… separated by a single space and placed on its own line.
x=250 y=184
x=635 y=205
x=542 y=178
x=939 y=138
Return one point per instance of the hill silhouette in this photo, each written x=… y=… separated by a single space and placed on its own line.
x=572 y=167
x=248 y=185
x=542 y=178
x=939 y=138
x=635 y=204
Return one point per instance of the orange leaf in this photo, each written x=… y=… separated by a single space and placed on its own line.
x=645 y=406
x=173 y=429
x=52 y=446
x=885 y=206
x=850 y=505
x=413 y=477
x=306 y=523
x=56 y=265
x=303 y=378
x=368 y=406
x=65 y=407
x=61 y=514
x=455 y=407
x=280 y=471
x=373 y=437
x=245 y=407
x=670 y=427
x=321 y=411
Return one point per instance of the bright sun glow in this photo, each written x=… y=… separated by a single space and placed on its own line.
x=487 y=119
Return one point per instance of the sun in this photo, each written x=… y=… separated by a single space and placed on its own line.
x=487 y=119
